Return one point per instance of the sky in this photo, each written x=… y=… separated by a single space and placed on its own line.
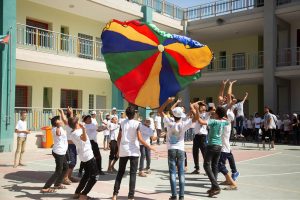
x=189 y=3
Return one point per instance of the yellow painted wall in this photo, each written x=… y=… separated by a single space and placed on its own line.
x=239 y=91
x=249 y=44
x=39 y=80
x=56 y=18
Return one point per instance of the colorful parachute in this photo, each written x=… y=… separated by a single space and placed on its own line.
x=148 y=65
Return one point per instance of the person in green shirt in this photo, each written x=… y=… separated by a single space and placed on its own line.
x=214 y=147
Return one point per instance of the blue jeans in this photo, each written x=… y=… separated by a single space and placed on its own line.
x=176 y=158
x=144 y=153
x=239 y=125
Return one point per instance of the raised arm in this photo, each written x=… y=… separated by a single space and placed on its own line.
x=176 y=104
x=195 y=111
x=221 y=92
x=83 y=136
x=229 y=94
x=63 y=117
x=245 y=97
x=162 y=108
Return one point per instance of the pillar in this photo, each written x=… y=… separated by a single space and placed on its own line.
x=7 y=74
x=270 y=48
x=117 y=99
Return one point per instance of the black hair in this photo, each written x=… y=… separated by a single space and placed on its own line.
x=72 y=121
x=54 y=120
x=130 y=112
x=176 y=118
x=23 y=112
x=221 y=112
x=86 y=117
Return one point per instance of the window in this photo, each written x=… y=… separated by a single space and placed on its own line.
x=100 y=102
x=37 y=34
x=98 y=49
x=85 y=46
x=222 y=64
x=64 y=38
x=23 y=96
x=72 y=98
x=47 y=97
x=91 y=101
x=238 y=61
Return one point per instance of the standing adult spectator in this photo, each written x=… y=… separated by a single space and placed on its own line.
x=286 y=128
x=270 y=127
x=157 y=122
x=295 y=126
x=257 y=126
x=279 y=126
x=22 y=131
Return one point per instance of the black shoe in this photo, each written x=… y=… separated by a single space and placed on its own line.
x=214 y=192
x=173 y=198
x=195 y=172
x=181 y=198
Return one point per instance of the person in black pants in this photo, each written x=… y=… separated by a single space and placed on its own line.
x=92 y=131
x=85 y=153
x=200 y=138
x=129 y=136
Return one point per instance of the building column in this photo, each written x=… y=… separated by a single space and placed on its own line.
x=270 y=48
x=186 y=99
x=8 y=74
x=117 y=99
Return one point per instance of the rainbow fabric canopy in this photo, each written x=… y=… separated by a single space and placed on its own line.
x=148 y=65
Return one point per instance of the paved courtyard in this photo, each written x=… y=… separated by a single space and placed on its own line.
x=264 y=175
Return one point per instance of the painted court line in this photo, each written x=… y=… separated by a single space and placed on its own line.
x=260 y=157
x=258 y=175
x=271 y=188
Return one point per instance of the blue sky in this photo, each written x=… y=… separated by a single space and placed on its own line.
x=189 y=3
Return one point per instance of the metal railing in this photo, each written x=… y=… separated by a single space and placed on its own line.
x=39 y=117
x=38 y=39
x=288 y=57
x=203 y=11
x=236 y=62
x=163 y=7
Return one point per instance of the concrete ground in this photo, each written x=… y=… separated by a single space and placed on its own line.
x=264 y=175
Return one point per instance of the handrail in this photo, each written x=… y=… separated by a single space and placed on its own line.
x=39 y=39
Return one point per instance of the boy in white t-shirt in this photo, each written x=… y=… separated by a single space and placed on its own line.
x=114 y=129
x=175 y=143
x=86 y=155
x=59 y=150
x=147 y=133
x=92 y=131
x=129 y=149
x=157 y=123
x=22 y=131
x=106 y=123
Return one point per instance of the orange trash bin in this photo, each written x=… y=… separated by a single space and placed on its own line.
x=47 y=139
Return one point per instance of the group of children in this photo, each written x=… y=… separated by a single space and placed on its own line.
x=129 y=140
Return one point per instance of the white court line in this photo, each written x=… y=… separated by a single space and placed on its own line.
x=259 y=157
x=273 y=165
x=290 y=155
x=258 y=175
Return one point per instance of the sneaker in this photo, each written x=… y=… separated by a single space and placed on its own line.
x=195 y=172
x=173 y=198
x=142 y=174
x=235 y=175
x=181 y=198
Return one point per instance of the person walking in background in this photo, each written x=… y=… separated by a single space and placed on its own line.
x=157 y=122
x=286 y=128
x=295 y=126
x=22 y=131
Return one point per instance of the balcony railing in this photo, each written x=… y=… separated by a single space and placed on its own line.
x=288 y=57
x=236 y=62
x=58 y=43
x=203 y=11
x=39 y=117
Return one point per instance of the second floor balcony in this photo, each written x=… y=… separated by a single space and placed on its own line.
x=37 y=39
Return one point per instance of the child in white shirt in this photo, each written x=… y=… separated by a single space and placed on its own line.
x=105 y=123
x=59 y=150
x=86 y=155
x=114 y=129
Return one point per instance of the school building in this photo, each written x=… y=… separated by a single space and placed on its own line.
x=55 y=53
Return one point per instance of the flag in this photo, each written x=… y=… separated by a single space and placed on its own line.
x=4 y=39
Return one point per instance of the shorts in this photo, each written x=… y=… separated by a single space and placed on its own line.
x=72 y=158
x=270 y=133
x=106 y=138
